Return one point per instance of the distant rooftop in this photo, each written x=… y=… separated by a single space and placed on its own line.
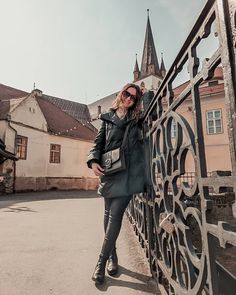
x=77 y=110
x=64 y=117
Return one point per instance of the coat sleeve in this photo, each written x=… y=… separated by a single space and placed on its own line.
x=98 y=147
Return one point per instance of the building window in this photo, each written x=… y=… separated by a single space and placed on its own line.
x=213 y=83
x=55 y=153
x=214 y=122
x=21 y=147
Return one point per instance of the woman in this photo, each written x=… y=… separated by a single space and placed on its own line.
x=118 y=188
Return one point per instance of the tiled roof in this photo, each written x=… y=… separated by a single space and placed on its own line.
x=64 y=117
x=180 y=88
x=77 y=110
x=4 y=108
x=212 y=89
x=205 y=89
x=60 y=123
x=7 y=92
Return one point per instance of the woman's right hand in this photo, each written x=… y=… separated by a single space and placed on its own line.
x=97 y=169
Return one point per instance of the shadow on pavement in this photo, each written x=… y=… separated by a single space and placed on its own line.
x=11 y=199
x=145 y=284
x=18 y=209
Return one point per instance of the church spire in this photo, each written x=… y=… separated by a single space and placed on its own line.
x=136 y=70
x=149 y=60
x=163 y=68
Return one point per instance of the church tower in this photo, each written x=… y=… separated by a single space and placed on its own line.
x=150 y=74
x=136 y=70
x=149 y=63
x=163 y=68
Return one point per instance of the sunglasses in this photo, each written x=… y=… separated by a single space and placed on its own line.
x=126 y=94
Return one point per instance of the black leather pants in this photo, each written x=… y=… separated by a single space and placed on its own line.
x=114 y=211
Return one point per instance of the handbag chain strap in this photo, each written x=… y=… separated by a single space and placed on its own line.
x=125 y=136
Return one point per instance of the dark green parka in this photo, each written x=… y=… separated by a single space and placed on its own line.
x=109 y=137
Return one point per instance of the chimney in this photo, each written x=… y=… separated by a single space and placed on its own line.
x=99 y=110
x=37 y=92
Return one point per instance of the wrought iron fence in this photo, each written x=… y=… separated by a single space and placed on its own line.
x=187 y=228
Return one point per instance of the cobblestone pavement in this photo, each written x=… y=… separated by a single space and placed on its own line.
x=50 y=243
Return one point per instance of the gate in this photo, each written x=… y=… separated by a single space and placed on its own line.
x=186 y=220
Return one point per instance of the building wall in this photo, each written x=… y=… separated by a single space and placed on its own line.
x=151 y=82
x=37 y=173
x=10 y=140
x=29 y=113
x=104 y=103
x=216 y=145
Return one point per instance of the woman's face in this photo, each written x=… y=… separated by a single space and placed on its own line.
x=129 y=97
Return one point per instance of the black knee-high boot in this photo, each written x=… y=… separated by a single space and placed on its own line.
x=105 y=223
x=112 y=232
x=112 y=263
x=99 y=272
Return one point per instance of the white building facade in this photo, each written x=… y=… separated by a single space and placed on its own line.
x=46 y=159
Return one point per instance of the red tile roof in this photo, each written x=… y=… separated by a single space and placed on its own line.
x=7 y=92
x=61 y=123
x=77 y=110
x=63 y=117
x=212 y=89
x=205 y=90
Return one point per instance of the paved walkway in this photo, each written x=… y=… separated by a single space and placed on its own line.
x=50 y=243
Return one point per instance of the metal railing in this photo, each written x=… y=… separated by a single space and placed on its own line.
x=179 y=226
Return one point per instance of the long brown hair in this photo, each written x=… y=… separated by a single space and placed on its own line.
x=136 y=108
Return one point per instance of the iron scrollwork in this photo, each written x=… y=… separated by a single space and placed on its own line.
x=178 y=220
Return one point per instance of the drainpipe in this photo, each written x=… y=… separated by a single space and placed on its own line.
x=14 y=162
x=14 y=176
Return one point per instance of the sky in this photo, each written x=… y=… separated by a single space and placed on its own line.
x=83 y=50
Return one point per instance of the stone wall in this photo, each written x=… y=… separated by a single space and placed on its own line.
x=60 y=183
x=7 y=177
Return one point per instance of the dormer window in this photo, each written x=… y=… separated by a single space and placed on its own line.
x=213 y=83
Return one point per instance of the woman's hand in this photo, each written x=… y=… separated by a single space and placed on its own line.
x=97 y=169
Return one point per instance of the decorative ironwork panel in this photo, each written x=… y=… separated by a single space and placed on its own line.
x=186 y=220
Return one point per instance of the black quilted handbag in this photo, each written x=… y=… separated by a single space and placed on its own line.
x=114 y=161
